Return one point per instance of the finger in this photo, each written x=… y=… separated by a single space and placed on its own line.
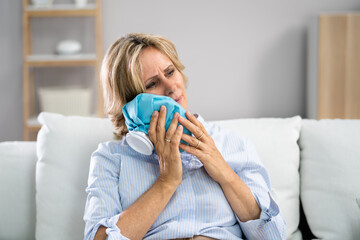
x=197 y=131
x=177 y=136
x=191 y=141
x=192 y=150
x=172 y=127
x=152 y=126
x=193 y=119
x=160 y=127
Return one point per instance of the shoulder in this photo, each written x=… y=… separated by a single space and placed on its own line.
x=114 y=151
x=108 y=153
x=109 y=147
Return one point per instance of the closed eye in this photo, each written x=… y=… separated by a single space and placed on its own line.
x=170 y=73
x=150 y=85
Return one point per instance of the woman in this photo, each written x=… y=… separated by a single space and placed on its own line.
x=134 y=196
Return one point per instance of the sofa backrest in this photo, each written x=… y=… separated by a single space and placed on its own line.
x=65 y=145
x=330 y=177
x=17 y=188
x=329 y=165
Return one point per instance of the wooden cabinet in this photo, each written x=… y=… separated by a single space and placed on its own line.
x=32 y=60
x=338 y=66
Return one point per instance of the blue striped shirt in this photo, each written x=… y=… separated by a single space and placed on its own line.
x=119 y=176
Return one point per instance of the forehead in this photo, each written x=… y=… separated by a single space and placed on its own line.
x=152 y=60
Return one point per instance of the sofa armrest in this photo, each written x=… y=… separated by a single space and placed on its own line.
x=17 y=188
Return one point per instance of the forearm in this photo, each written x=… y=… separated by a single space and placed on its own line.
x=239 y=197
x=101 y=233
x=136 y=220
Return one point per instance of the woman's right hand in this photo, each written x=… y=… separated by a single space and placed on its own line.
x=168 y=152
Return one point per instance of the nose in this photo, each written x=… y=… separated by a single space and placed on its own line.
x=169 y=87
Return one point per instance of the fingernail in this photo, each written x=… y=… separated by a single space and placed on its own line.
x=162 y=108
x=155 y=113
x=180 y=127
x=176 y=114
x=188 y=113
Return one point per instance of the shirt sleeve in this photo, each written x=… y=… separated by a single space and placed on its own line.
x=271 y=224
x=103 y=205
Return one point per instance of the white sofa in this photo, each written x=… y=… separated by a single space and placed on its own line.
x=42 y=184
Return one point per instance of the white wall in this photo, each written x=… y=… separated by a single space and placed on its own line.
x=243 y=58
x=11 y=101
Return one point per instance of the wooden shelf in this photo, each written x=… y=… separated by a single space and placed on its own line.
x=48 y=60
x=338 y=66
x=61 y=10
x=31 y=59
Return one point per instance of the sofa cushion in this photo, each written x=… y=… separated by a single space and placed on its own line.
x=17 y=188
x=330 y=178
x=276 y=142
x=64 y=148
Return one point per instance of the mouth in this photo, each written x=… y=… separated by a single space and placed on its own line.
x=178 y=100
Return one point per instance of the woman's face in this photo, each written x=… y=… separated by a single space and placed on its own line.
x=161 y=77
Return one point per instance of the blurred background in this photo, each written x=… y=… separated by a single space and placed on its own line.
x=244 y=59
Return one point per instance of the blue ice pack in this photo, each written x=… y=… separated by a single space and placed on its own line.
x=138 y=114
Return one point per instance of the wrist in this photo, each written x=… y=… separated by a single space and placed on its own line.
x=167 y=186
x=228 y=178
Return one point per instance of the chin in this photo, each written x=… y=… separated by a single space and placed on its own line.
x=184 y=105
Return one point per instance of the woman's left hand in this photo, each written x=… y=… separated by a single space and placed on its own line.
x=203 y=147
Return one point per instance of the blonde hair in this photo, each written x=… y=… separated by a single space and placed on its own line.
x=121 y=73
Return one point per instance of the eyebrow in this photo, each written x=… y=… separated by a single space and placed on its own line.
x=168 y=68
x=165 y=70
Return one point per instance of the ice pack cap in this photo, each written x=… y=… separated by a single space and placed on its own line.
x=140 y=142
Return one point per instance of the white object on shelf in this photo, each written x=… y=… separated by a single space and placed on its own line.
x=68 y=47
x=60 y=7
x=54 y=57
x=80 y=3
x=42 y=3
x=33 y=122
x=65 y=100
